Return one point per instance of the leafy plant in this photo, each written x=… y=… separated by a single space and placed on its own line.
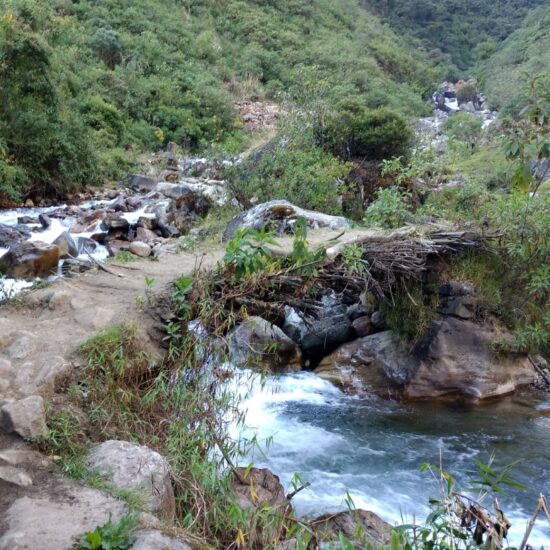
x=390 y=209
x=111 y=535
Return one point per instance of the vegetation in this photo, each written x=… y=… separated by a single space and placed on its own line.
x=117 y=535
x=465 y=128
x=461 y=32
x=86 y=86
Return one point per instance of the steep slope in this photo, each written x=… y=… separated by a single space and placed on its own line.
x=463 y=29
x=525 y=55
x=109 y=79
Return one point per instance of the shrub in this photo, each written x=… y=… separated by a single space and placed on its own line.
x=353 y=131
x=390 y=209
x=466 y=91
x=464 y=127
x=292 y=167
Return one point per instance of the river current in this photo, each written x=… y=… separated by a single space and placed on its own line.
x=374 y=448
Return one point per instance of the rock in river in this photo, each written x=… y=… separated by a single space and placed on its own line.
x=30 y=259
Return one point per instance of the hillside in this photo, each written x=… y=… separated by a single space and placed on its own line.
x=463 y=30
x=86 y=86
x=522 y=57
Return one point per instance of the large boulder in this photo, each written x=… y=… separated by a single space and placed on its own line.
x=139 y=248
x=141 y=183
x=454 y=359
x=136 y=468
x=281 y=216
x=11 y=235
x=362 y=528
x=25 y=417
x=259 y=344
x=30 y=259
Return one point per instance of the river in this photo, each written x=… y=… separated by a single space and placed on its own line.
x=374 y=447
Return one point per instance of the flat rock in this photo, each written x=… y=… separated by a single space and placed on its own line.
x=55 y=521
x=136 y=468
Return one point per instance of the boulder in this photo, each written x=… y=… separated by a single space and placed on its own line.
x=362 y=528
x=136 y=468
x=258 y=487
x=11 y=235
x=355 y=368
x=146 y=235
x=150 y=539
x=140 y=249
x=362 y=326
x=15 y=476
x=30 y=259
x=45 y=221
x=25 y=417
x=86 y=245
x=281 y=215
x=454 y=359
x=114 y=221
x=141 y=183
x=67 y=246
x=259 y=344
x=89 y=222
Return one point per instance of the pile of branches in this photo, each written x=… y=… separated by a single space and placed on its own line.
x=381 y=260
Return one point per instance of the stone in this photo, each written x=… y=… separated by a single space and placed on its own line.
x=114 y=221
x=357 y=310
x=11 y=235
x=456 y=288
x=86 y=245
x=141 y=183
x=18 y=457
x=67 y=246
x=259 y=344
x=139 y=248
x=29 y=260
x=146 y=235
x=375 y=532
x=116 y=245
x=136 y=468
x=281 y=216
x=44 y=220
x=25 y=417
x=267 y=489
x=89 y=222
x=148 y=539
x=377 y=319
x=355 y=369
x=362 y=326
x=18 y=344
x=295 y=324
x=56 y=521
x=463 y=307
x=15 y=476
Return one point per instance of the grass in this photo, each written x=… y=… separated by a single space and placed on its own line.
x=124 y=257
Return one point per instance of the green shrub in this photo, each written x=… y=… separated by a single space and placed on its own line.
x=353 y=131
x=291 y=167
x=390 y=209
x=464 y=127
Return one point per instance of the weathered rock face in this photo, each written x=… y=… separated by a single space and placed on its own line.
x=67 y=246
x=281 y=216
x=25 y=417
x=375 y=532
x=267 y=489
x=354 y=367
x=136 y=468
x=30 y=259
x=11 y=235
x=453 y=360
x=257 y=343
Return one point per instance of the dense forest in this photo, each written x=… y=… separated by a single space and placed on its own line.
x=87 y=85
x=464 y=31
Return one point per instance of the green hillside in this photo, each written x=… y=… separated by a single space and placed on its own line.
x=464 y=30
x=86 y=85
x=506 y=75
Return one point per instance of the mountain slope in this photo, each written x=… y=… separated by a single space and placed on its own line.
x=116 y=77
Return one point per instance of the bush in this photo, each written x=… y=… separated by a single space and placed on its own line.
x=352 y=131
x=464 y=127
x=292 y=167
x=466 y=91
x=390 y=209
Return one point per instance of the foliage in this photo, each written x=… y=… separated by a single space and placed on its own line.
x=110 y=536
x=456 y=29
x=86 y=85
x=294 y=168
x=524 y=55
x=464 y=127
x=247 y=252
x=390 y=209
x=352 y=131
